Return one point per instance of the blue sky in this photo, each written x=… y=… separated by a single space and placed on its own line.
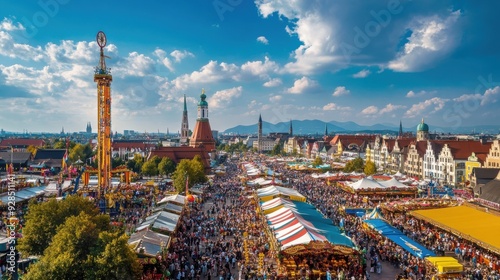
x=363 y=61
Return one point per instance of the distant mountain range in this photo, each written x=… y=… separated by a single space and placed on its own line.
x=317 y=127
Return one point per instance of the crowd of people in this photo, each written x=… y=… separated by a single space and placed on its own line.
x=209 y=241
x=330 y=200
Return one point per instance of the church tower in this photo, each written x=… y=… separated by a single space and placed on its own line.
x=290 y=131
x=202 y=133
x=326 y=129
x=422 y=131
x=259 y=134
x=184 y=125
x=400 y=133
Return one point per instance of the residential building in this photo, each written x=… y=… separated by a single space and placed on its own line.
x=413 y=164
x=493 y=157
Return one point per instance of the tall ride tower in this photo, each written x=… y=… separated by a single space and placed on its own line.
x=103 y=78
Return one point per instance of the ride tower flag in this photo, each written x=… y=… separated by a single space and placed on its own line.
x=103 y=78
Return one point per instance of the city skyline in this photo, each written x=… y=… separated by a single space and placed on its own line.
x=371 y=63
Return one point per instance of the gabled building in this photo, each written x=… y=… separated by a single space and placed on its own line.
x=431 y=166
x=413 y=165
x=454 y=155
x=473 y=161
x=351 y=143
x=493 y=157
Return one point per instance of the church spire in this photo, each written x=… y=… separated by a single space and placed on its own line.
x=260 y=126
x=184 y=125
x=400 y=134
x=326 y=129
x=290 y=131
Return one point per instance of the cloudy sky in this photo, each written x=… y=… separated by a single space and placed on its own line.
x=353 y=60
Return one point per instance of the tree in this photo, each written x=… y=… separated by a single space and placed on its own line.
x=112 y=267
x=354 y=165
x=193 y=169
x=43 y=219
x=166 y=166
x=150 y=168
x=32 y=149
x=276 y=150
x=116 y=161
x=317 y=161
x=370 y=168
x=82 y=250
x=136 y=163
x=78 y=152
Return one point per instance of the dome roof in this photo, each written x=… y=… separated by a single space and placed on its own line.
x=422 y=126
x=203 y=102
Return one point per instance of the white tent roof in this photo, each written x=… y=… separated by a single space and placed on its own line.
x=365 y=183
x=392 y=183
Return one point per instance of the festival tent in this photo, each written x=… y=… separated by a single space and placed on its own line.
x=176 y=198
x=163 y=221
x=399 y=238
x=273 y=203
x=268 y=193
x=365 y=183
x=475 y=225
x=149 y=243
x=392 y=183
x=398 y=174
x=302 y=223
x=375 y=214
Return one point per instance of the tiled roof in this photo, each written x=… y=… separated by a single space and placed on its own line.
x=22 y=142
x=176 y=154
x=17 y=157
x=491 y=191
x=463 y=149
x=485 y=173
x=49 y=154
x=202 y=136
x=132 y=145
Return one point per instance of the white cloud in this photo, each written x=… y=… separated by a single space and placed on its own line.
x=223 y=98
x=490 y=95
x=431 y=39
x=262 y=40
x=180 y=55
x=362 y=74
x=370 y=110
x=259 y=68
x=335 y=107
x=209 y=73
x=12 y=49
x=275 y=98
x=274 y=82
x=390 y=108
x=135 y=64
x=339 y=91
x=412 y=94
x=434 y=104
x=7 y=25
x=302 y=85
x=176 y=54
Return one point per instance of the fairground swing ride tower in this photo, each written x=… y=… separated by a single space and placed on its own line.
x=103 y=78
